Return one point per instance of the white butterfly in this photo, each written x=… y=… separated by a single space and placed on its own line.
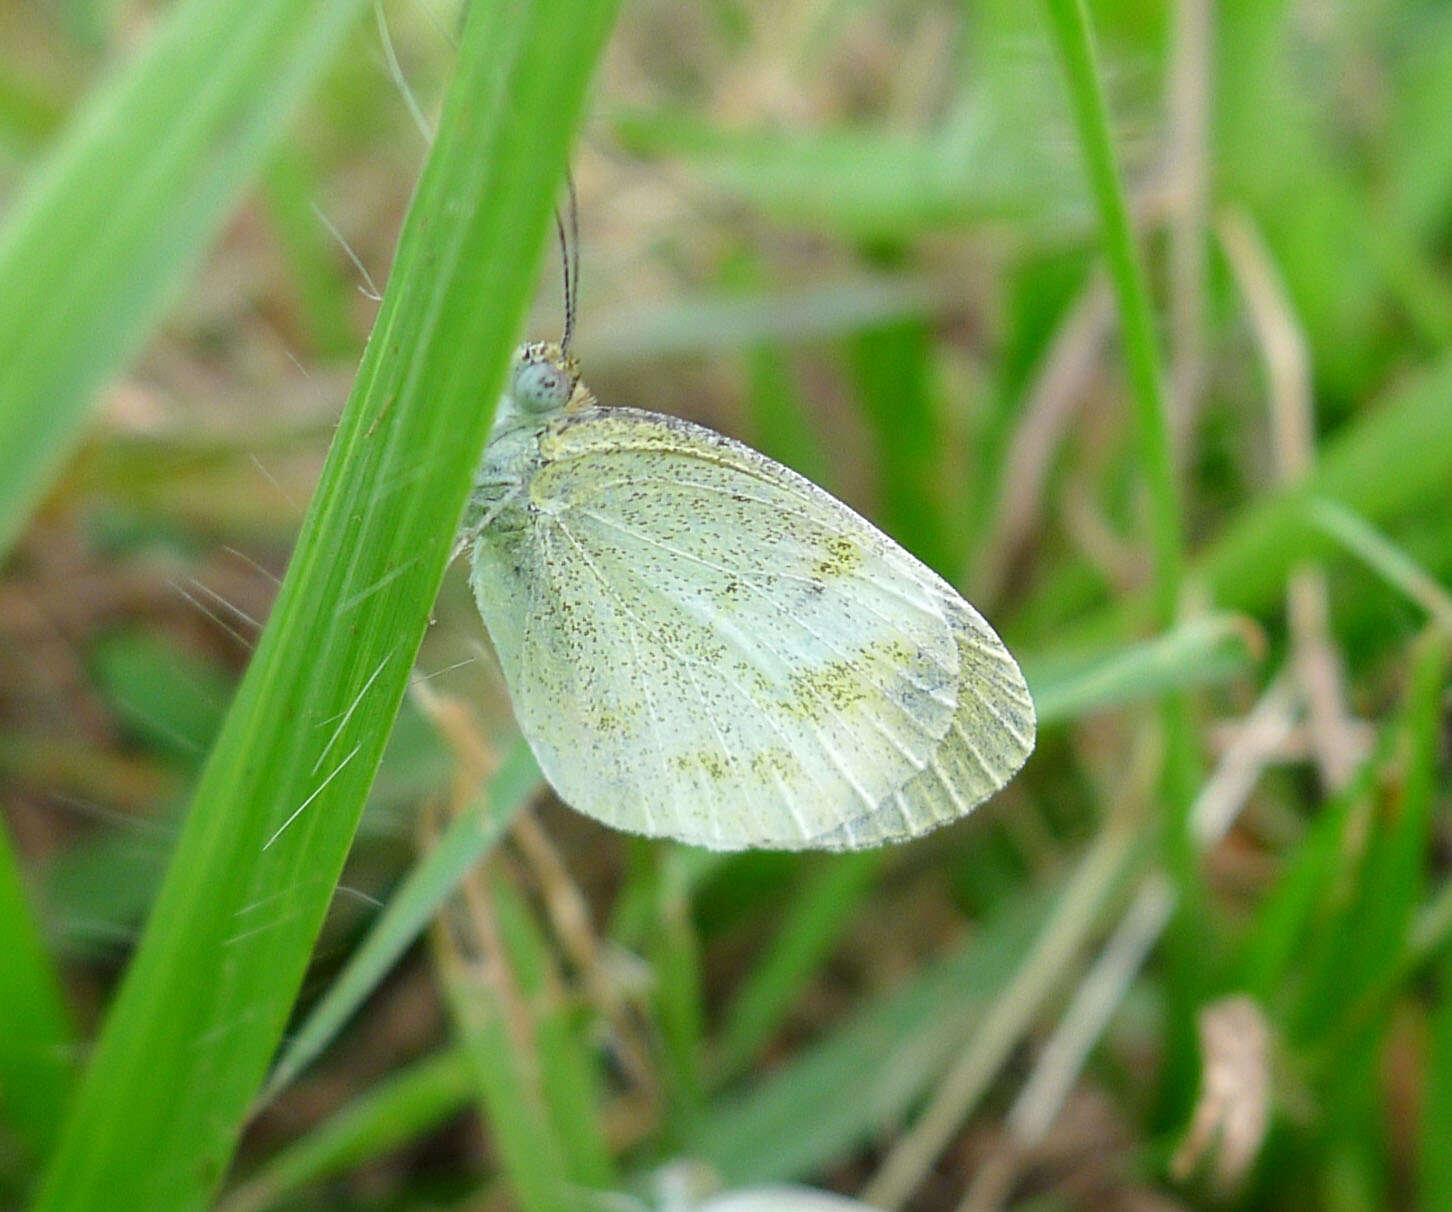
x=701 y=644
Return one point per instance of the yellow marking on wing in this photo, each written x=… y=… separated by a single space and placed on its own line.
x=843 y=558
x=705 y=761
x=840 y=686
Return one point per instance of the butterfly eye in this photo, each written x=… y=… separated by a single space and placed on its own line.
x=541 y=387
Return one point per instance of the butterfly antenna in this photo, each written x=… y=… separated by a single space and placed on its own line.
x=565 y=270
x=569 y=261
x=575 y=247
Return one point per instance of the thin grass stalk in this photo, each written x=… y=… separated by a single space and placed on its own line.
x=400 y=1108
x=1074 y=39
x=1070 y=21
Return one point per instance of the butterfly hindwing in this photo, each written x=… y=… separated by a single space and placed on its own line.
x=703 y=645
x=991 y=735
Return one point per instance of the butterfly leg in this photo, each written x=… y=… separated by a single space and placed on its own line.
x=486 y=503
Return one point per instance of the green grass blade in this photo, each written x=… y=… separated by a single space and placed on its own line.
x=36 y=1037
x=780 y=425
x=399 y=1109
x=812 y=921
x=892 y=373
x=107 y=231
x=28 y=114
x=1273 y=942
x=461 y=846
x=209 y=990
x=867 y=184
x=1070 y=22
x=1395 y=459
x=1197 y=652
x=1419 y=141
x=289 y=188
x=674 y=952
x=1355 y=873
x=169 y=700
x=1352 y=999
x=1393 y=564
x=529 y=1154
x=1434 y=1157
x=561 y=1065
x=1351 y=988
x=714 y=322
x=838 y=1092
x=526 y=1049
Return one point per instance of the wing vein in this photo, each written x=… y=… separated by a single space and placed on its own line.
x=926 y=608
x=716 y=621
x=687 y=661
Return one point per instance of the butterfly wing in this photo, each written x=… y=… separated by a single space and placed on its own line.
x=989 y=738
x=701 y=644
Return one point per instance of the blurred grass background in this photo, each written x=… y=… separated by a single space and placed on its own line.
x=1196 y=955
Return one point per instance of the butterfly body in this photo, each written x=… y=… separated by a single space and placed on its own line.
x=701 y=644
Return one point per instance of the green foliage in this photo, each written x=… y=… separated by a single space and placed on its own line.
x=875 y=240
x=110 y=225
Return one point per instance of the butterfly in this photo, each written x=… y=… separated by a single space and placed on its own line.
x=701 y=644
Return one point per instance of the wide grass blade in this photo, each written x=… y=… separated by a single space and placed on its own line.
x=107 y=231
x=36 y=1036
x=715 y=322
x=864 y=183
x=208 y=993
x=1197 y=652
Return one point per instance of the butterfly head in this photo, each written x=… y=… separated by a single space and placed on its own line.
x=544 y=378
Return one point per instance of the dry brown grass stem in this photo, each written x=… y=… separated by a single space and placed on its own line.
x=563 y=901
x=1338 y=741
x=1058 y=390
x=1257 y=742
x=1053 y=957
x=569 y=915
